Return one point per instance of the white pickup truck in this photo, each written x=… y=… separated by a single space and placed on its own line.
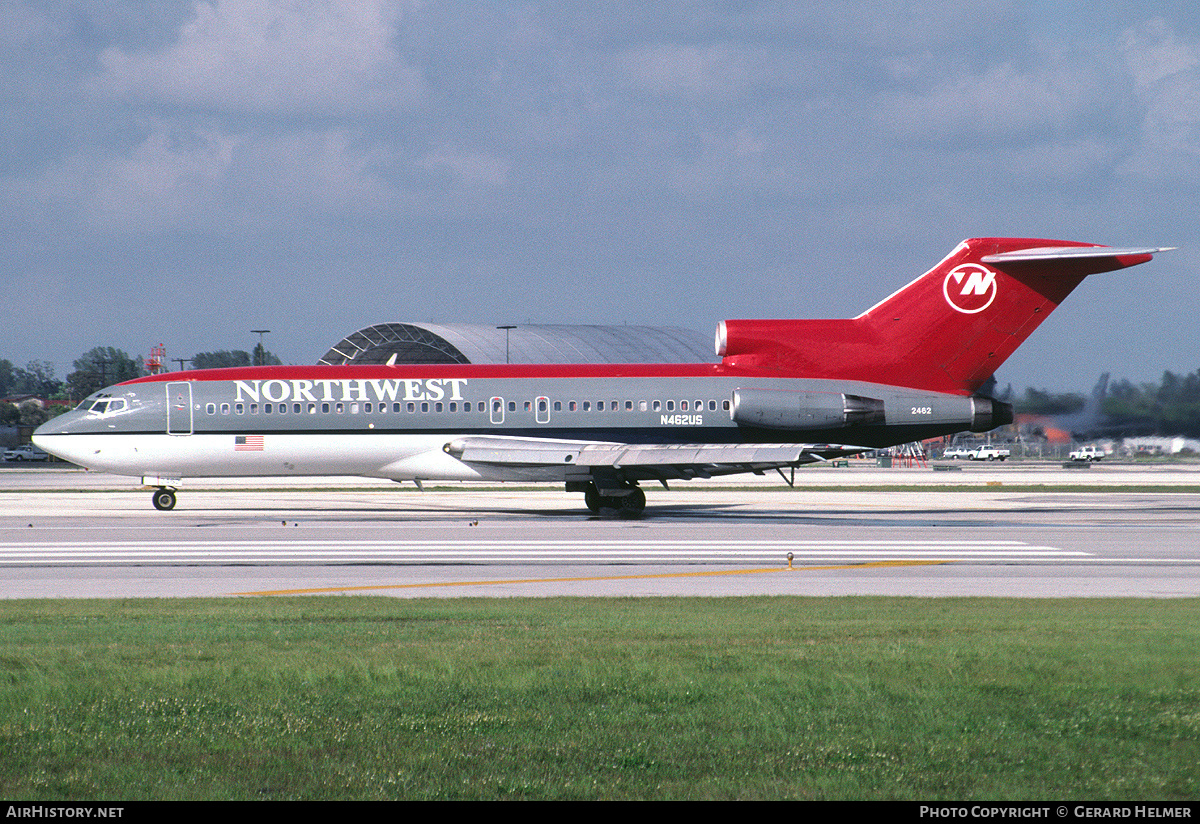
x=28 y=452
x=988 y=453
x=1087 y=453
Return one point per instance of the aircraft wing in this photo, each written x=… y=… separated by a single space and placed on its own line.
x=643 y=461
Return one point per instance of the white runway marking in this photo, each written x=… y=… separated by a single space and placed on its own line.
x=316 y=552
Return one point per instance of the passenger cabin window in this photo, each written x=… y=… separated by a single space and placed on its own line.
x=211 y=409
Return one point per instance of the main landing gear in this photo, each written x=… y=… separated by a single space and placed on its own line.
x=628 y=499
x=164 y=499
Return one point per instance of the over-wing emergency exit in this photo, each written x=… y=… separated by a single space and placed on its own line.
x=786 y=393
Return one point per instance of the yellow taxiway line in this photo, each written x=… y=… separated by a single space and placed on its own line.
x=706 y=574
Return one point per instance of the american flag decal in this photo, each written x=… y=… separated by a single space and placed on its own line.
x=247 y=443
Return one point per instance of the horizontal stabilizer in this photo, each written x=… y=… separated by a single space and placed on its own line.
x=1074 y=253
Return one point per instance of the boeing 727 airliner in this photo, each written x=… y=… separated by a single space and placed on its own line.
x=786 y=393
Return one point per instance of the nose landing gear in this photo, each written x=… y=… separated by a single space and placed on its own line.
x=164 y=499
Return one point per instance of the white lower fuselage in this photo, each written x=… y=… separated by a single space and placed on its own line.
x=372 y=455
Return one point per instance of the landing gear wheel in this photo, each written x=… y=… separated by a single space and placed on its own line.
x=633 y=503
x=591 y=498
x=164 y=499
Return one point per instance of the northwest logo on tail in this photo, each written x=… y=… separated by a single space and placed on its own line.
x=970 y=288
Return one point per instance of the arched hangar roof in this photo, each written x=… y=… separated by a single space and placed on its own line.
x=522 y=343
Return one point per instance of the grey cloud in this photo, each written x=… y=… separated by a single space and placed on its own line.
x=334 y=57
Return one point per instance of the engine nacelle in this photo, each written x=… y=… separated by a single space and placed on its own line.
x=810 y=410
x=782 y=409
x=988 y=413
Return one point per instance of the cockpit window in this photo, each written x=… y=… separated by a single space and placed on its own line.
x=103 y=407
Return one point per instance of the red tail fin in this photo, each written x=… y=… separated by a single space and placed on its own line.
x=947 y=331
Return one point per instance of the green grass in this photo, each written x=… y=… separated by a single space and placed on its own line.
x=380 y=698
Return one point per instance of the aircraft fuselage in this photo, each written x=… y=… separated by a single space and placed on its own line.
x=393 y=422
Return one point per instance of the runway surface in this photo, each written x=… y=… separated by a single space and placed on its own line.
x=1107 y=532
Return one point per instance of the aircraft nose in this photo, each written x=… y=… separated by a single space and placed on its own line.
x=54 y=437
x=49 y=443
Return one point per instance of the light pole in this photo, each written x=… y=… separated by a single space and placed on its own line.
x=260 y=354
x=506 y=329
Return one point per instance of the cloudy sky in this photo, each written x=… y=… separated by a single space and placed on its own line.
x=183 y=172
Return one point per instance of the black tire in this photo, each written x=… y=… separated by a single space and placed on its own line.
x=591 y=499
x=164 y=499
x=634 y=502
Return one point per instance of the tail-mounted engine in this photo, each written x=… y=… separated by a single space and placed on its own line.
x=774 y=409
x=810 y=410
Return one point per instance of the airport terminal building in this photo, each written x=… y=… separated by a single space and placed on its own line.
x=413 y=343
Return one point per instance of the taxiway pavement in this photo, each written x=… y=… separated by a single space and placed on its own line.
x=1110 y=531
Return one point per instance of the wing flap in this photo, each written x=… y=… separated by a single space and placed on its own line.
x=704 y=458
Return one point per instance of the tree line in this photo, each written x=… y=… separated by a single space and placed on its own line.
x=1170 y=406
x=93 y=370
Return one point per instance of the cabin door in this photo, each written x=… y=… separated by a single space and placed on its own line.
x=179 y=408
